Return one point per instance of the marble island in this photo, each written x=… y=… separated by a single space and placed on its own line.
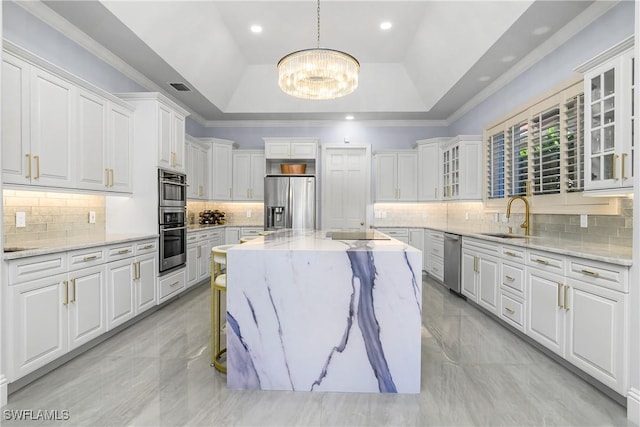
x=306 y=312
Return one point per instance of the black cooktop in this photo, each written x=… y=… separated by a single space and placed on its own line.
x=358 y=235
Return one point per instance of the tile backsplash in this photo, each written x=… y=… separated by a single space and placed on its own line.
x=51 y=216
x=235 y=212
x=608 y=229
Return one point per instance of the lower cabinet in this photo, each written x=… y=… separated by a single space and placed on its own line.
x=433 y=254
x=87 y=319
x=121 y=294
x=171 y=285
x=480 y=273
x=199 y=244
x=545 y=297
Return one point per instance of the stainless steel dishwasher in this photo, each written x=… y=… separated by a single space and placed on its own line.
x=452 y=258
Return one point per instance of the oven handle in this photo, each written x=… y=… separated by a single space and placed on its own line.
x=181 y=184
x=173 y=228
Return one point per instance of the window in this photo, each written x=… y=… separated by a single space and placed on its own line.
x=519 y=170
x=574 y=157
x=545 y=153
x=495 y=167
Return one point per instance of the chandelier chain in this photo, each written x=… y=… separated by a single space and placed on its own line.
x=318 y=24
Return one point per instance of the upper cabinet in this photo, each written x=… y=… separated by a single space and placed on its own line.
x=197 y=167
x=105 y=144
x=429 y=169
x=221 y=169
x=279 y=151
x=248 y=175
x=164 y=122
x=396 y=176
x=462 y=168
x=609 y=116
x=38 y=135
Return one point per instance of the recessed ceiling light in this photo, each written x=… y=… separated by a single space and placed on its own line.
x=508 y=58
x=484 y=78
x=540 y=31
x=256 y=29
x=349 y=117
x=386 y=25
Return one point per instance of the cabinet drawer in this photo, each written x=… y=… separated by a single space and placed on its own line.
x=192 y=237
x=250 y=231
x=610 y=276
x=512 y=253
x=171 y=285
x=483 y=246
x=37 y=267
x=436 y=267
x=117 y=252
x=395 y=232
x=86 y=258
x=148 y=246
x=513 y=278
x=546 y=261
x=512 y=311
x=203 y=235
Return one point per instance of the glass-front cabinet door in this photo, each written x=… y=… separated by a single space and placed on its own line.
x=609 y=116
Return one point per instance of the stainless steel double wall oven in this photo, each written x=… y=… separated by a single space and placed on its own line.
x=172 y=219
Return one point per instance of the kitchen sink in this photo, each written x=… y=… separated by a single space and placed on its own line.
x=506 y=235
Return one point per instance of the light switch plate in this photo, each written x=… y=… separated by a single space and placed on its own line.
x=584 y=221
x=248 y=213
x=92 y=217
x=21 y=219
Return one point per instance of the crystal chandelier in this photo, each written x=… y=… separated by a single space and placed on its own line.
x=318 y=73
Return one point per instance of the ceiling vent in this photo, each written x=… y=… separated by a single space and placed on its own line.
x=180 y=87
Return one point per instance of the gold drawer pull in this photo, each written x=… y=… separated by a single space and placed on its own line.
x=560 y=285
x=37 y=159
x=591 y=273
x=66 y=292
x=566 y=298
x=28 y=156
x=174 y=284
x=123 y=251
x=90 y=258
x=148 y=246
x=510 y=253
x=509 y=310
x=542 y=261
x=509 y=278
x=73 y=285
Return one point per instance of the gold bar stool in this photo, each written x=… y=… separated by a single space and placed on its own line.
x=245 y=239
x=218 y=285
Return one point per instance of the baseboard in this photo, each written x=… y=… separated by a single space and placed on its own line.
x=633 y=406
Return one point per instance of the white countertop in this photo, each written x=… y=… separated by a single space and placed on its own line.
x=620 y=255
x=317 y=240
x=44 y=247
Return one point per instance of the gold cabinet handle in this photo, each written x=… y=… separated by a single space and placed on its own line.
x=509 y=278
x=73 y=286
x=28 y=156
x=435 y=192
x=230 y=192
x=475 y=264
x=89 y=258
x=173 y=158
x=510 y=253
x=509 y=310
x=66 y=292
x=123 y=251
x=111 y=175
x=199 y=251
x=37 y=158
x=560 y=285
x=542 y=261
x=624 y=156
x=615 y=160
x=566 y=297
x=106 y=173
x=136 y=270
x=591 y=273
x=148 y=246
x=174 y=284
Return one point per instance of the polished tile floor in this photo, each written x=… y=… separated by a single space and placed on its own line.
x=474 y=372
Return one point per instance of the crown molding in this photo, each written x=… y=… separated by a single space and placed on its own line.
x=593 y=12
x=73 y=33
x=322 y=123
x=608 y=54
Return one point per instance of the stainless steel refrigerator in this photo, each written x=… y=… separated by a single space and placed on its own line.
x=289 y=202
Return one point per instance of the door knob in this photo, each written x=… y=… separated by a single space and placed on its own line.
x=361 y=222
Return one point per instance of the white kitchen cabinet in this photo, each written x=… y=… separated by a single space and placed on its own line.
x=248 y=175
x=221 y=169
x=429 y=169
x=608 y=111
x=38 y=144
x=170 y=285
x=192 y=259
x=121 y=292
x=204 y=259
x=105 y=144
x=416 y=238
x=160 y=126
x=290 y=148
x=462 y=168
x=197 y=169
x=434 y=253
x=87 y=318
x=545 y=312
x=481 y=273
x=512 y=287
x=399 y=233
x=396 y=176
x=145 y=271
x=231 y=235
x=39 y=320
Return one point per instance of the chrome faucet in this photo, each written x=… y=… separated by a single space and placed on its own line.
x=525 y=224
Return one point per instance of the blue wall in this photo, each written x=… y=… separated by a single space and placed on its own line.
x=29 y=32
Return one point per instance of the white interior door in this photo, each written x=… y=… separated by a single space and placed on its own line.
x=345 y=187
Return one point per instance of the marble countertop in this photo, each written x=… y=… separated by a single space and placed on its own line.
x=620 y=255
x=44 y=247
x=320 y=241
x=200 y=227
